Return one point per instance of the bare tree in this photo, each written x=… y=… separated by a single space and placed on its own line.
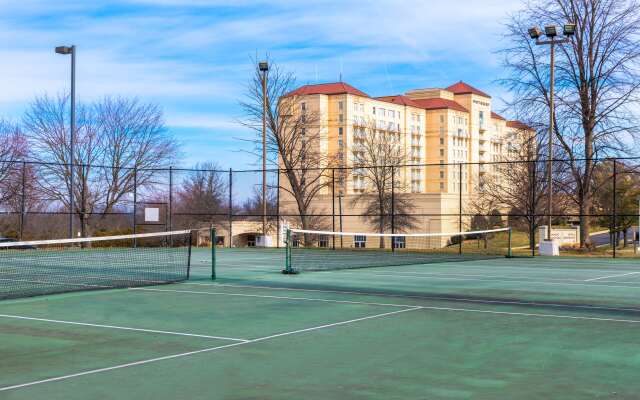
x=13 y=149
x=513 y=185
x=135 y=142
x=293 y=138
x=597 y=83
x=47 y=124
x=201 y=196
x=377 y=155
x=253 y=205
x=114 y=138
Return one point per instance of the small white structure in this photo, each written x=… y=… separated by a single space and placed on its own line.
x=549 y=248
x=264 y=241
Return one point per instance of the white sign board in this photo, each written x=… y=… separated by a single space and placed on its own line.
x=151 y=214
x=564 y=236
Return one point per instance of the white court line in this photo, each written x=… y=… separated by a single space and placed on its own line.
x=210 y=349
x=610 y=276
x=403 y=275
x=439 y=298
x=402 y=305
x=273 y=297
x=124 y=328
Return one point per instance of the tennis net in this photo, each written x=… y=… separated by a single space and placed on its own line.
x=54 y=266
x=325 y=250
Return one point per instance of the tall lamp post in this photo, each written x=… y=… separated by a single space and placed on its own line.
x=551 y=33
x=264 y=68
x=65 y=50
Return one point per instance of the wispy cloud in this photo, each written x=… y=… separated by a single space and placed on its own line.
x=192 y=57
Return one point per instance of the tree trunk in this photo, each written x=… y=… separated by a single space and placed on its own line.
x=585 y=222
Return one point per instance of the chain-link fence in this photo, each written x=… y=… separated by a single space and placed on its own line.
x=592 y=205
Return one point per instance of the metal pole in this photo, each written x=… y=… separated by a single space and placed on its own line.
x=551 y=122
x=638 y=227
x=278 y=209
x=23 y=199
x=333 y=207
x=393 y=210
x=170 y=199
x=340 y=220
x=135 y=204
x=230 y=206
x=264 y=155
x=614 y=222
x=534 y=216
x=460 y=208
x=72 y=137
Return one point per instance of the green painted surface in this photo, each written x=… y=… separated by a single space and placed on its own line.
x=495 y=329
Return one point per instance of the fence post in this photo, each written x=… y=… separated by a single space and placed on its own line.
x=393 y=208
x=460 y=207
x=171 y=198
x=213 y=239
x=135 y=204
x=614 y=222
x=23 y=199
x=333 y=207
x=230 y=206
x=278 y=227
x=533 y=187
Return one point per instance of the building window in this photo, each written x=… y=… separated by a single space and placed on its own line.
x=341 y=118
x=303 y=106
x=441 y=141
x=441 y=185
x=374 y=111
x=441 y=152
x=442 y=131
x=340 y=106
x=442 y=119
x=441 y=174
x=339 y=131
x=360 y=241
x=323 y=241
x=399 y=242
x=303 y=131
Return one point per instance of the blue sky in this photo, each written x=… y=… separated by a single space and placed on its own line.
x=193 y=57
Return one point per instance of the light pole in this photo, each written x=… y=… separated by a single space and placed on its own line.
x=264 y=68
x=72 y=51
x=551 y=33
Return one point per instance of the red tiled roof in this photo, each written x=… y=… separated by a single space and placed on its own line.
x=399 y=99
x=439 y=104
x=519 y=125
x=463 y=88
x=497 y=116
x=327 y=88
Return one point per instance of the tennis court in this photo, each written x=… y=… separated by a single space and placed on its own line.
x=525 y=328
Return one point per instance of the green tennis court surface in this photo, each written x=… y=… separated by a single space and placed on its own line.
x=489 y=329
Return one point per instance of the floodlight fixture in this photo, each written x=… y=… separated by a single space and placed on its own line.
x=264 y=66
x=550 y=31
x=64 y=50
x=569 y=29
x=535 y=32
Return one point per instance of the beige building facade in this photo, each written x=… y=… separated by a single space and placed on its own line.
x=445 y=134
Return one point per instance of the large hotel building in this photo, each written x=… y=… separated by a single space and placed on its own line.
x=438 y=129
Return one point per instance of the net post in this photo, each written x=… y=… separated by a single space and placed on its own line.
x=509 y=242
x=213 y=240
x=189 y=255
x=287 y=258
